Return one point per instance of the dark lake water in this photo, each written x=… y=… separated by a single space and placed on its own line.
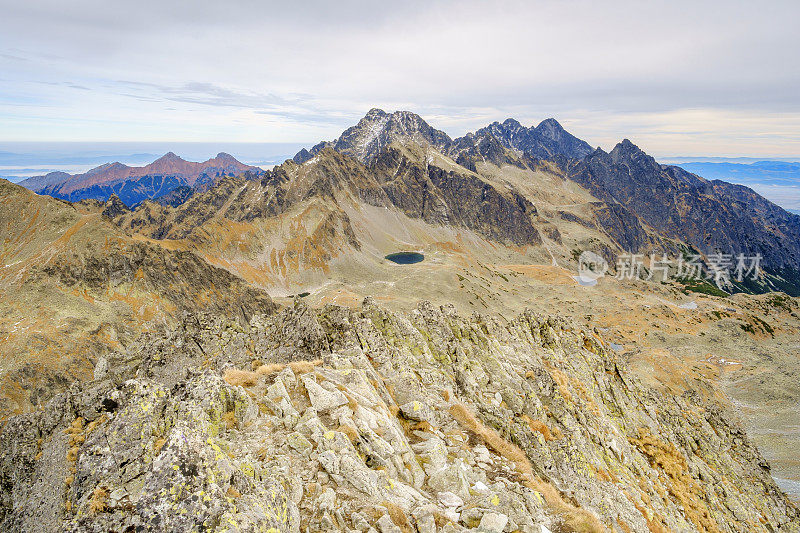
x=405 y=258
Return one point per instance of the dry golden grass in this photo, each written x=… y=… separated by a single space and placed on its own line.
x=423 y=425
x=561 y=379
x=303 y=367
x=440 y=519
x=72 y=454
x=585 y=396
x=576 y=519
x=98 y=501
x=236 y=377
x=229 y=419
x=538 y=425
x=490 y=437
x=262 y=453
x=248 y=378
x=351 y=432
x=269 y=369
x=390 y=390
x=685 y=489
x=624 y=526
x=655 y=523
x=399 y=517
x=158 y=444
x=76 y=427
x=351 y=402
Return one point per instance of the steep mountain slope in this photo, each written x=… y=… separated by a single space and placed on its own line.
x=135 y=184
x=72 y=287
x=340 y=419
x=710 y=216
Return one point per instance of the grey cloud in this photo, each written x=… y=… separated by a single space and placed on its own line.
x=322 y=64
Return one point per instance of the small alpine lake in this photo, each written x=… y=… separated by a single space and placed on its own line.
x=405 y=258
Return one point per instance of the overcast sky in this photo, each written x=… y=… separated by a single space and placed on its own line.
x=715 y=78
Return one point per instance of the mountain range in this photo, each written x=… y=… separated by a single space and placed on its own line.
x=638 y=203
x=135 y=184
x=214 y=346
x=378 y=129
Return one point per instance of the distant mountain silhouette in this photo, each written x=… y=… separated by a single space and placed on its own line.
x=132 y=185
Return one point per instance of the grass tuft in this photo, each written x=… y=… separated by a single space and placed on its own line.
x=98 y=502
x=577 y=520
x=236 y=377
x=541 y=427
x=398 y=516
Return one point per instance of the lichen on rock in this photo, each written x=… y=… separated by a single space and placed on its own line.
x=363 y=419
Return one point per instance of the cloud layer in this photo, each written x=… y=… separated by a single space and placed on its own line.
x=721 y=78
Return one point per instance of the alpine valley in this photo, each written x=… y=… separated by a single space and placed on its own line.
x=217 y=347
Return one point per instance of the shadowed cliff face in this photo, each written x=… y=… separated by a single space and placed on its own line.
x=710 y=216
x=419 y=419
x=455 y=197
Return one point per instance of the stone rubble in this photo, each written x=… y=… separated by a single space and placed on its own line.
x=360 y=427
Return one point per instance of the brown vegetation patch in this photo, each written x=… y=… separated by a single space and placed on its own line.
x=682 y=487
x=98 y=502
x=577 y=520
x=247 y=378
x=351 y=432
x=538 y=426
x=398 y=516
x=229 y=419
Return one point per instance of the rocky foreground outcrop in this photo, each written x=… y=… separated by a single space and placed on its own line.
x=364 y=420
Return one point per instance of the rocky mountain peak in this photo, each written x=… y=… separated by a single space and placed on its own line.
x=551 y=128
x=169 y=156
x=378 y=129
x=114 y=207
x=227 y=158
x=375 y=112
x=511 y=123
x=628 y=154
x=106 y=168
x=544 y=141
